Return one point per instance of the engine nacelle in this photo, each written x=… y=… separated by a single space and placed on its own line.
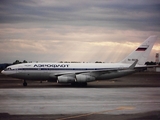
x=65 y=79
x=84 y=78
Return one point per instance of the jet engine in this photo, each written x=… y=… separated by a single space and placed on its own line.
x=65 y=79
x=84 y=78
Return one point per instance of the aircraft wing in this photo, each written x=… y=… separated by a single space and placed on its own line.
x=98 y=72
x=148 y=66
x=144 y=67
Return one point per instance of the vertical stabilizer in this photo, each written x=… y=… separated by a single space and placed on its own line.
x=142 y=52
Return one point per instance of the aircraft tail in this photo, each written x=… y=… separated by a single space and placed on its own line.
x=142 y=52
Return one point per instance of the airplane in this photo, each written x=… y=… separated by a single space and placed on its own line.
x=82 y=73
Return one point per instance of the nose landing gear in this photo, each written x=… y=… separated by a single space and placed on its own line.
x=24 y=83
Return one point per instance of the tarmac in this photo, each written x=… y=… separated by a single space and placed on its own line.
x=134 y=97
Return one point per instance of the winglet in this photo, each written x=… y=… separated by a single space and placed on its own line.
x=134 y=64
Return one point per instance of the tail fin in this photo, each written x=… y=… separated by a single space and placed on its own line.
x=142 y=52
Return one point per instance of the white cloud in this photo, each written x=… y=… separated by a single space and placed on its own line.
x=74 y=45
x=86 y=30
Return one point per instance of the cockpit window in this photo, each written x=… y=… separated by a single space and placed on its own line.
x=8 y=69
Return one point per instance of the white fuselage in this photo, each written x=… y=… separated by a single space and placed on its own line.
x=51 y=71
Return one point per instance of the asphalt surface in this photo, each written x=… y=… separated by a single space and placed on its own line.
x=134 y=97
x=142 y=79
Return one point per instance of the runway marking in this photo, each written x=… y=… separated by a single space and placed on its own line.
x=100 y=112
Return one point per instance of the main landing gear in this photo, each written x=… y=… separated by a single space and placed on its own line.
x=80 y=84
x=24 y=83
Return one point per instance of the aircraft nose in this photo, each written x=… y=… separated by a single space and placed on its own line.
x=2 y=71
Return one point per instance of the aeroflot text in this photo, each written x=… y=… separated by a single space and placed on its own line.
x=52 y=65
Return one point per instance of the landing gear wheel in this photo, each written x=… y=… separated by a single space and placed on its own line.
x=73 y=84
x=83 y=84
x=24 y=83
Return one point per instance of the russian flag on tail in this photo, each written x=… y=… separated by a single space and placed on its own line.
x=142 y=48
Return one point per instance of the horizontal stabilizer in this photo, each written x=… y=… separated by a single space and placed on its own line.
x=133 y=65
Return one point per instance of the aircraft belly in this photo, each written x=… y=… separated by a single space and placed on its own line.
x=27 y=75
x=115 y=74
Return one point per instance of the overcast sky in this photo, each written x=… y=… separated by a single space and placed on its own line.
x=76 y=30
